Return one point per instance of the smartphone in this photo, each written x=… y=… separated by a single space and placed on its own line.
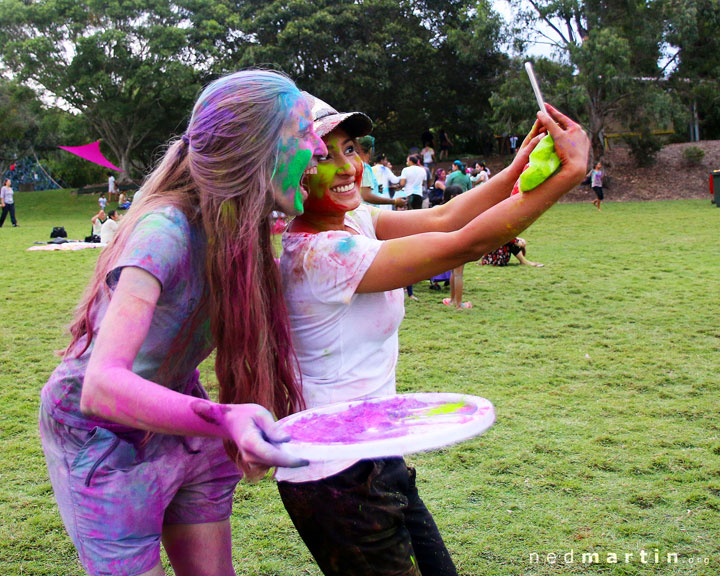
x=535 y=87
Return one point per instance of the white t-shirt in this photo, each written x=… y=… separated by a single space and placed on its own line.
x=481 y=177
x=97 y=226
x=370 y=180
x=346 y=343
x=108 y=231
x=385 y=177
x=415 y=178
x=111 y=184
x=428 y=154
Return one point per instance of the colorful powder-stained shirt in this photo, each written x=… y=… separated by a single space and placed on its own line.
x=164 y=244
x=596 y=179
x=346 y=343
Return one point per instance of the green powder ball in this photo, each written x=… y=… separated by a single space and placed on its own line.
x=543 y=163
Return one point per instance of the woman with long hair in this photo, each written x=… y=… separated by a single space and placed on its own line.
x=133 y=444
x=343 y=267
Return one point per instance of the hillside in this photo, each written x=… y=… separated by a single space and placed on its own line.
x=670 y=178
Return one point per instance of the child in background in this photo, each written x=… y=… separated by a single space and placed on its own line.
x=596 y=181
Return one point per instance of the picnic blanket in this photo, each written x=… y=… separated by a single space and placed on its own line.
x=66 y=246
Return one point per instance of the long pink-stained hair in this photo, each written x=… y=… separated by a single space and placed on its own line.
x=219 y=175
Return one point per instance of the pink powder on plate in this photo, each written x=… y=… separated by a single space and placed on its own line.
x=377 y=420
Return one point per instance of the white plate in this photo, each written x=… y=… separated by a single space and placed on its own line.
x=386 y=426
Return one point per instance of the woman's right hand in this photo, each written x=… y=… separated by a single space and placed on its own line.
x=255 y=434
x=571 y=143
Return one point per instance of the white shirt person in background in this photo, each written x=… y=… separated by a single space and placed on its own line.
x=413 y=179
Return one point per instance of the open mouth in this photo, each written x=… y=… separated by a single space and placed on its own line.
x=344 y=189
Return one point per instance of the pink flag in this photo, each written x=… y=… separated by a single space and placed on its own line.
x=92 y=153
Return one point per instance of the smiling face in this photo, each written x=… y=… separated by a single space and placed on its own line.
x=298 y=144
x=335 y=188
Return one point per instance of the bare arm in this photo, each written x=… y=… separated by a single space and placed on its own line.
x=463 y=208
x=371 y=198
x=112 y=391
x=402 y=261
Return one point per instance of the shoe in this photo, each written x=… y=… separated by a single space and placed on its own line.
x=447 y=301
x=15 y=225
x=465 y=306
x=414 y=298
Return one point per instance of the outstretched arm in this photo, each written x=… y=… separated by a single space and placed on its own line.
x=111 y=390
x=463 y=208
x=409 y=259
x=371 y=198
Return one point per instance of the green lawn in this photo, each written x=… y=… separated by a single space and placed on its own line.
x=602 y=366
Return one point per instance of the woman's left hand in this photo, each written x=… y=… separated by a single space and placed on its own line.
x=255 y=433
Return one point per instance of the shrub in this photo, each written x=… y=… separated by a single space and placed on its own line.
x=694 y=155
x=644 y=148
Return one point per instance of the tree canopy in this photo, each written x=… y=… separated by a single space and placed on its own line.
x=613 y=46
x=132 y=70
x=128 y=67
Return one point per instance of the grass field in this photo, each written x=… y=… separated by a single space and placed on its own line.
x=603 y=367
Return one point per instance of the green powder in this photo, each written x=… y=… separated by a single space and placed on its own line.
x=543 y=163
x=295 y=170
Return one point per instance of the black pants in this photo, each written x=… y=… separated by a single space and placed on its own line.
x=368 y=520
x=11 y=209
x=415 y=201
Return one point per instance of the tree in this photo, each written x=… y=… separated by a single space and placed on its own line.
x=474 y=48
x=406 y=63
x=18 y=109
x=128 y=67
x=513 y=103
x=614 y=45
x=692 y=33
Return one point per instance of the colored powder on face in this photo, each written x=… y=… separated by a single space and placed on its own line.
x=392 y=418
x=295 y=170
x=318 y=183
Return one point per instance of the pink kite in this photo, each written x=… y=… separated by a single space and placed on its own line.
x=92 y=153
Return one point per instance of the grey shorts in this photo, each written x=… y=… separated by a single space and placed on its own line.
x=115 y=495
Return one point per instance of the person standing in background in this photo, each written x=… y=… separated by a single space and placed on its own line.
x=384 y=175
x=413 y=180
x=369 y=186
x=112 y=186
x=428 y=157
x=596 y=181
x=7 y=202
x=445 y=144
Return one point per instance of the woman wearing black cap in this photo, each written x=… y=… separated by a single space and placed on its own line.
x=344 y=265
